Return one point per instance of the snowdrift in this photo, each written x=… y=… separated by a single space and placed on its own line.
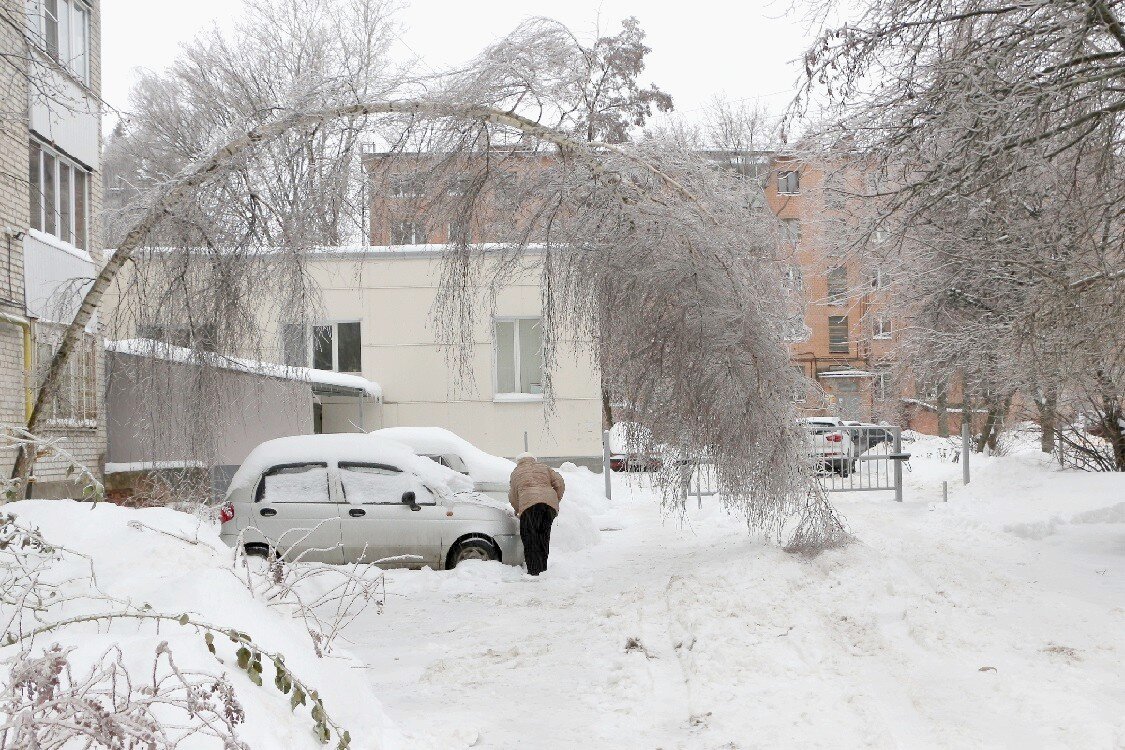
x=161 y=561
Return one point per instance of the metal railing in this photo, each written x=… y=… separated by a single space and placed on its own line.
x=873 y=464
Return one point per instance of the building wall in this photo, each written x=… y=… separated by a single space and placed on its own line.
x=13 y=219
x=67 y=118
x=392 y=294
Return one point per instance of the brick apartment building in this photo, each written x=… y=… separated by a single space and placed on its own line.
x=49 y=191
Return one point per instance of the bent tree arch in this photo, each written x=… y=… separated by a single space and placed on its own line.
x=672 y=245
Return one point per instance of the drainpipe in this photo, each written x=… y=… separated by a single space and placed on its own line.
x=25 y=325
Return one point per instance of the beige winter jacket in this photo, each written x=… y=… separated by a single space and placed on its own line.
x=533 y=482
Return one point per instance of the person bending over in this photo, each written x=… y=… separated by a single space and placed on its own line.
x=535 y=493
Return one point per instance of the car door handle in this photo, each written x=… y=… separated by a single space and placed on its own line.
x=267 y=512
x=357 y=512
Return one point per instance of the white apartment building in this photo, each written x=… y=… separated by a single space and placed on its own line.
x=49 y=193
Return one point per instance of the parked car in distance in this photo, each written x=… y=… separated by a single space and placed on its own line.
x=831 y=443
x=359 y=498
x=866 y=436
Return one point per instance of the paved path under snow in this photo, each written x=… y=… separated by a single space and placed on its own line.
x=936 y=630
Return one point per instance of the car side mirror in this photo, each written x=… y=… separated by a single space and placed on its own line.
x=408 y=498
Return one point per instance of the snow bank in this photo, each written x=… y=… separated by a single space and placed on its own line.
x=156 y=560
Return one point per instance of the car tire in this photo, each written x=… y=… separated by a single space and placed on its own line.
x=260 y=550
x=472 y=549
x=845 y=468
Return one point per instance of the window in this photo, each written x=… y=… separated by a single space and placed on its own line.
x=295 y=483
x=788 y=182
x=58 y=195
x=368 y=484
x=838 y=334
x=75 y=404
x=837 y=283
x=518 y=354
x=795 y=328
x=881 y=387
x=404 y=187
x=334 y=346
x=879 y=279
x=62 y=28
x=794 y=278
x=882 y=328
x=800 y=386
x=408 y=233
x=791 y=231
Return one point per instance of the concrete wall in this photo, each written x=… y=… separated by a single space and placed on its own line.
x=255 y=409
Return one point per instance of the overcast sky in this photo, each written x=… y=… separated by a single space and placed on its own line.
x=745 y=50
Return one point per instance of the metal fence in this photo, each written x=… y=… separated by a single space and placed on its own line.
x=872 y=463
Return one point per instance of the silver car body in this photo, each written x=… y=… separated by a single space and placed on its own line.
x=339 y=499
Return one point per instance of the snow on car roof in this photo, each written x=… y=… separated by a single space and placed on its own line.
x=482 y=467
x=352 y=446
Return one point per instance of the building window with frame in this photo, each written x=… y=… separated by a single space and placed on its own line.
x=518 y=357
x=788 y=182
x=795 y=329
x=408 y=233
x=881 y=387
x=794 y=278
x=404 y=187
x=333 y=346
x=59 y=195
x=837 y=283
x=62 y=29
x=838 y=342
x=879 y=279
x=791 y=231
x=882 y=327
x=75 y=403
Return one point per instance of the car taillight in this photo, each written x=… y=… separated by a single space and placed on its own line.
x=835 y=437
x=226 y=512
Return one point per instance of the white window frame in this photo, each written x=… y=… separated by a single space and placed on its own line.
x=879 y=279
x=880 y=387
x=72 y=35
x=783 y=182
x=881 y=328
x=81 y=366
x=417 y=234
x=507 y=396
x=71 y=202
x=311 y=343
x=791 y=231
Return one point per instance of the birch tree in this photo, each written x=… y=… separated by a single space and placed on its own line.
x=649 y=233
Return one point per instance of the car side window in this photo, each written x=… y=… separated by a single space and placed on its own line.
x=295 y=483
x=379 y=484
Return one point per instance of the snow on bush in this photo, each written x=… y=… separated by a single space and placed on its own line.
x=140 y=628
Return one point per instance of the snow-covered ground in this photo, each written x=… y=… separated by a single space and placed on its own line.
x=994 y=620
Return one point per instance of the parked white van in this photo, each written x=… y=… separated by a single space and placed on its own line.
x=359 y=498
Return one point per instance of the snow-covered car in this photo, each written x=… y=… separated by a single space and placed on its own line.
x=489 y=474
x=361 y=498
x=623 y=436
x=831 y=444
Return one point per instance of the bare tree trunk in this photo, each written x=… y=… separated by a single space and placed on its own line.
x=942 y=415
x=182 y=186
x=607 y=409
x=1046 y=404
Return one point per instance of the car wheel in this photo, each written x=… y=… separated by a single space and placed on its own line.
x=260 y=550
x=845 y=468
x=473 y=549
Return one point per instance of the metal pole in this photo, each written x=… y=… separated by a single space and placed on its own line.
x=964 y=449
x=898 y=465
x=605 y=465
x=525 y=450
x=945 y=492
